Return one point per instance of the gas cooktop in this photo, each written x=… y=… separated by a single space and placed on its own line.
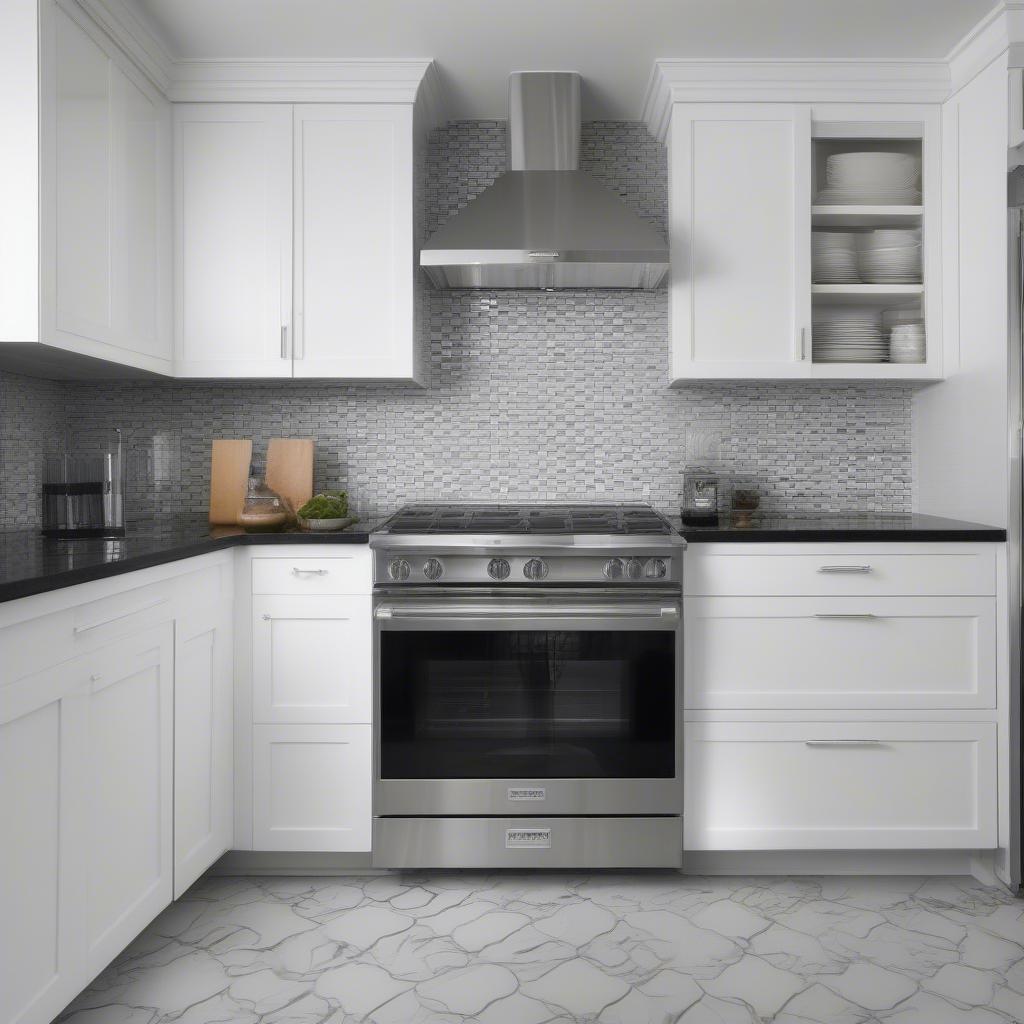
x=550 y=520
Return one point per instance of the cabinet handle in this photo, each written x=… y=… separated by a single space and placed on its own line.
x=543 y=254
x=124 y=615
x=284 y=341
x=843 y=743
x=296 y=571
x=844 y=615
x=267 y=617
x=844 y=568
x=803 y=344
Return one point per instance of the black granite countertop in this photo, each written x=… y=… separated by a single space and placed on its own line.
x=766 y=529
x=31 y=564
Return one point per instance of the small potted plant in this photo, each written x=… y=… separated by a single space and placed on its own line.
x=325 y=512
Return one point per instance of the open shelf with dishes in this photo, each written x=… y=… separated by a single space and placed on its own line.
x=869 y=237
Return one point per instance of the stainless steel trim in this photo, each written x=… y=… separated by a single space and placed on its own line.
x=484 y=543
x=577 y=797
x=461 y=612
x=117 y=618
x=844 y=568
x=612 y=842
x=843 y=743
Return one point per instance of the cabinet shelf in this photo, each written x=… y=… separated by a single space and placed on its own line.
x=865 y=216
x=865 y=294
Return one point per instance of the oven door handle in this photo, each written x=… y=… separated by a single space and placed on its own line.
x=491 y=613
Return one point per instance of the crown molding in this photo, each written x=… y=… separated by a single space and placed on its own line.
x=987 y=41
x=301 y=81
x=789 y=81
x=134 y=36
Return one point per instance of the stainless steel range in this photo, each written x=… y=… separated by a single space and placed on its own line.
x=527 y=687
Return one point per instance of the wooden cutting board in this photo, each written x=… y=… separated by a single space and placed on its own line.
x=290 y=469
x=229 y=477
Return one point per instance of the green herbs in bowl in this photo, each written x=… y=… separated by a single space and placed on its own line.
x=324 y=512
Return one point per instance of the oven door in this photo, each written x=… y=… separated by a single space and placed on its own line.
x=541 y=702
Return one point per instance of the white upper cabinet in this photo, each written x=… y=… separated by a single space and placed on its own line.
x=354 y=241
x=751 y=201
x=294 y=241
x=233 y=240
x=89 y=203
x=739 y=183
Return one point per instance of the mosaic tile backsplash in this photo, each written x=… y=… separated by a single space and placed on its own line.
x=534 y=396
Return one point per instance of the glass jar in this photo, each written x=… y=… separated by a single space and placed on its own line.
x=700 y=498
x=263 y=510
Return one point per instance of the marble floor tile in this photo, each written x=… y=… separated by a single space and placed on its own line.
x=547 y=948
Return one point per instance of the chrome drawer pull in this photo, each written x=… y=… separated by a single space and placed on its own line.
x=296 y=571
x=844 y=615
x=844 y=568
x=124 y=615
x=842 y=743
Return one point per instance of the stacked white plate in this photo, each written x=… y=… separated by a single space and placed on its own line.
x=890 y=256
x=907 y=343
x=850 y=337
x=875 y=178
x=834 y=257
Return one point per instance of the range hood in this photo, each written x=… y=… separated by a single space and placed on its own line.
x=545 y=223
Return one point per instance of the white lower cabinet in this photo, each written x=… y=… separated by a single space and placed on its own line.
x=129 y=779
x=311 y=659
x=829 y=652
x=42 y=805
x=840 y=785
x=203 y=724
x=312 y=787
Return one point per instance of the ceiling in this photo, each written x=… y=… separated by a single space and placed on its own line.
x=612 y=43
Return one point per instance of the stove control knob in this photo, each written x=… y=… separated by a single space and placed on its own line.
x=433 y=568
x=536 y=569
x=613 y=568
x=656 y=569
x=498 y=569
x=399 y=569
x=634 y=568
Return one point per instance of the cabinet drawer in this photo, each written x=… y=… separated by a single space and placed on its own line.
x=840 y=652
x=347 y=573
x=840 y=786
x=838 y=571
x=311 y=787
x=311 y=659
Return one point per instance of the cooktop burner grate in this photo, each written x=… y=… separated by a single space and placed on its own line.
x=528 y=519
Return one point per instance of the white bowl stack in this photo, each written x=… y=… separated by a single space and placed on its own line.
x=907 y=343
x=850 y=336
x=834 y=257
x=890 y=256
x=872 y=178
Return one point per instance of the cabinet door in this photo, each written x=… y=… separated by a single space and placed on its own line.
x=311 y=659
x=105 y=199
x=233 y=240
x=353 y=241
x=128 y=775
x=42 y=732
x=311 y=787
x=81 y=163
x=740 y=234
x=840 y=785
x=203 y=712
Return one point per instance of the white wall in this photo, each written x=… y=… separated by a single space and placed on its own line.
x=960 y=426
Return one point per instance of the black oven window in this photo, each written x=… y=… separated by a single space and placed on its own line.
x=527 y=705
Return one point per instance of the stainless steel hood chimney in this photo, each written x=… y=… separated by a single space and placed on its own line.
x=545 y=223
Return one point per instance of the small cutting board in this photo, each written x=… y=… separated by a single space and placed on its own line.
x=229 y=477
x=290 y=469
